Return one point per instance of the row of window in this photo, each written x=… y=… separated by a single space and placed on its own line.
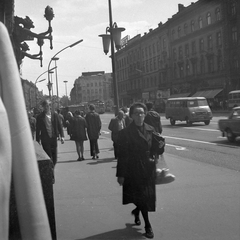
x=193 y=24
x=88 y=91
x=151 y=82
x=96 y=84
x=201 y=46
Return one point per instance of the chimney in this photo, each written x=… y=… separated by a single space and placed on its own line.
x=180 y=7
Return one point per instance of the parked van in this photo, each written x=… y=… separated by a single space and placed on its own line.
x=189 y=109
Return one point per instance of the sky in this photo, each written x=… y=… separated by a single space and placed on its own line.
x=85 y=19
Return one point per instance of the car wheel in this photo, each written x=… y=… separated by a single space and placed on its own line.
x=207 y=122
x=230 y=136
x=189 y=123
x=172 y=121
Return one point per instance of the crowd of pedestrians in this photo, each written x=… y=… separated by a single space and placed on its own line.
x=47 y=128
x=132 y=132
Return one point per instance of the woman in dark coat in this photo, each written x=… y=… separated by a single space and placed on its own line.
x=78 y=134
x=136 y=169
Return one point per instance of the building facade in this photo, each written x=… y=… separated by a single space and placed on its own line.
x=32 y=96
x=92 y=86
x=195 y=53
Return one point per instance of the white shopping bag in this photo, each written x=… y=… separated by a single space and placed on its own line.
x=162 y=171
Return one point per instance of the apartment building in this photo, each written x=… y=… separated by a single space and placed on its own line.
x=195 y=53
x=92 y=86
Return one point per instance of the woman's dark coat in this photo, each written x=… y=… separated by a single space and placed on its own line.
x=79 y=126
x=136 y=165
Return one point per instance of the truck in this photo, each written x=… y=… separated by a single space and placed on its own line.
x=230 y=127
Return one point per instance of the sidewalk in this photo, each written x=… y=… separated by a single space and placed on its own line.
x=202 y=203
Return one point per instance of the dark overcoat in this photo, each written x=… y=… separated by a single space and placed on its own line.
x=41 y=130
x=113 y=127
x=94 y=125
x=136 y=165
x=153 y=118
x=79 y=126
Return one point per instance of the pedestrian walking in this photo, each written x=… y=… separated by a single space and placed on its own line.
x=61 y=118
x=68 y=121
x=136 y=168
x=94 y=126
x=48 y=127
x=79 y=126
x=115 y=126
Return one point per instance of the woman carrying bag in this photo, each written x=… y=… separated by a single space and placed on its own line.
x=136 y=167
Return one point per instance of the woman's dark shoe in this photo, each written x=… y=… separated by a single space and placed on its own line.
x=83 y=158
x=137 y=221
x=149 y=232
x=93 y=157
x=97 y=156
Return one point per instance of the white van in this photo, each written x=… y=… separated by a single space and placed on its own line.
x=189 y=109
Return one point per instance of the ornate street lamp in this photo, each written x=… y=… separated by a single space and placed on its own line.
x=23 y=33
x=113 y=37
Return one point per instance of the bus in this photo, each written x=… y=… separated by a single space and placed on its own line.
x=233 y=99
x=189 y=109
x=72 y=108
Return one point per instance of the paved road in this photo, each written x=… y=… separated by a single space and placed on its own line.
x=202 y=204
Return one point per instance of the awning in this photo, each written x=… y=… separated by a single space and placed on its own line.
x=180 y=95
x=207 y=93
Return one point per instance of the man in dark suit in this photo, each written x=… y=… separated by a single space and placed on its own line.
x=48 y=127
x=116 y=124
x=93 y=130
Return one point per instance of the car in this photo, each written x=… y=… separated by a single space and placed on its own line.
x=230 y=127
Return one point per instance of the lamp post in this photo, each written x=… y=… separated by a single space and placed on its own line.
x=55 y=59
x=114 y=37
x=41 y=81
x=66 y=90
x=51 y=81
x=70 y=46
x=36 y=90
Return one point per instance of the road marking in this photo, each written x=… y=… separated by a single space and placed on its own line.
x=177 y=147
x=203 y=129
x=198 y=141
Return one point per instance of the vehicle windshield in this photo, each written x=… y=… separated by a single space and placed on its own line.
x=236 y=113
x=197 y=103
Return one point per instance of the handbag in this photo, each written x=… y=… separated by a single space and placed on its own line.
x=158 y=144
x=162 y=172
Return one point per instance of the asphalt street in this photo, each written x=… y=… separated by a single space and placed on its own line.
x=203 y=203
